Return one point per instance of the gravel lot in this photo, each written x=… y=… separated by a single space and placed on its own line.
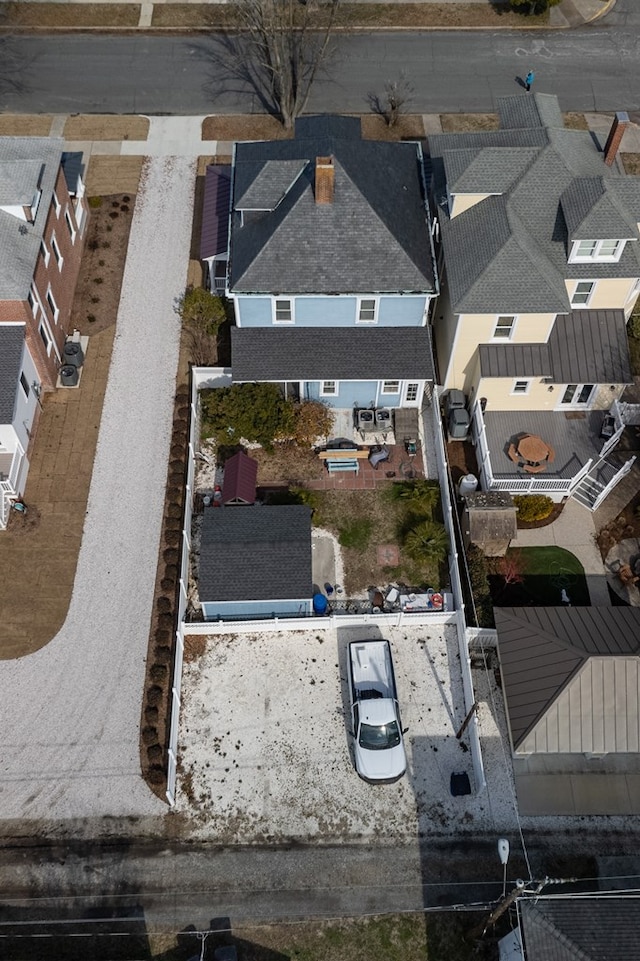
x=265 y=754
x=71 y=712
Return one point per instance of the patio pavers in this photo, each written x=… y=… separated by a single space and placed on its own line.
x=399 y=467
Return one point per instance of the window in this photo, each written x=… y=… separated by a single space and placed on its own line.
x=329 y=388
x=521 y=387
x=577 y=395
x=606 y=250
x=367 y=311
x=24 y=383
x=283 y=312
x=582 y=293
x=390 y=386
x=56 y=204
x=57 y=253
x=504 y=327
x=411 y=393
x=70 y=227
x=46 y=253
x=45 y=338
x=33 y=301
x=53 y=307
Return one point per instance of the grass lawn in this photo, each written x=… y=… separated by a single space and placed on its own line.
x=545 y=571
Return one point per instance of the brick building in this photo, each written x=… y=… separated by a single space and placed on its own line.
x=43 y=216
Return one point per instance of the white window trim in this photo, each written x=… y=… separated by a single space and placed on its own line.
x=291 y=301
x=56 y=310
x=376 y=307
x=69 y=222
x=407 y=385
x=573 y=404
x=596 y=256
x=56 y=203
x=46 y=253
x=520 y=393
x=24 y=383
x=57 y=253
x=329 y=393
x=589 y=298
x=511 y=330
x=383 y=389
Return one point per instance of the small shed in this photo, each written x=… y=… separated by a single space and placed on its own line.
x=489 y=521
x=239 y=482
x=255 y=562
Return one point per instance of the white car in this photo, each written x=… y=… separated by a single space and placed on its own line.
x=377 y=729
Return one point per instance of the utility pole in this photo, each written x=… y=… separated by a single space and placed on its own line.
x=521 y=888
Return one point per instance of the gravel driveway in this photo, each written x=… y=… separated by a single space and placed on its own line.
x=71 y=711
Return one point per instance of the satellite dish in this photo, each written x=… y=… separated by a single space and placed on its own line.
x=503 y=850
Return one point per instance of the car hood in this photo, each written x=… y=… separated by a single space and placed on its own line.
x=386 y=765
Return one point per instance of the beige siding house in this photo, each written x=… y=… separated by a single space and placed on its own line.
x=540 y=235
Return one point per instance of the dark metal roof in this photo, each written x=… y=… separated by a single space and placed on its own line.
x=214 y=237
x=374 y=237
x=239 y=483
x=343 y=353
x=585 y=346
x=11 y=347
x=591 y=928
x=542 y=648
x=255 y=554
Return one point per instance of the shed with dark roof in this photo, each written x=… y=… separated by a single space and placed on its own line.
x=489 y=521
x=239 y=482
x=255 y=561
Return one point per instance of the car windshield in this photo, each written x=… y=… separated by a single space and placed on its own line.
x=379 y=737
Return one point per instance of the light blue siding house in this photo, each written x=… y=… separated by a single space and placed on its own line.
x=331 y=266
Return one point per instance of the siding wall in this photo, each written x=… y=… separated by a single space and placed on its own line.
x=338 y=311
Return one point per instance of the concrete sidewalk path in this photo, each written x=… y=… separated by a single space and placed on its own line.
x=575 y=531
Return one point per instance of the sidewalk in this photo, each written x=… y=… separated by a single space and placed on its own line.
x=575 y=531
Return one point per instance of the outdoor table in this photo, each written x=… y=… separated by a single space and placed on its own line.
x=421 y=602
x=533 y=449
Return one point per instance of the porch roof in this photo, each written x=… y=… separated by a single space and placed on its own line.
x=574 y=436
x=216 y=210
x=11 y=346
x=585 y=347
x=342 y=353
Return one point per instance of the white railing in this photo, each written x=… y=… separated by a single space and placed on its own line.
x=458 y=601
x=325 y=622
x=615 y=480
x=627 y=414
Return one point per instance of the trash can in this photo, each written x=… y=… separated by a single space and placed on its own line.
x=320 y=604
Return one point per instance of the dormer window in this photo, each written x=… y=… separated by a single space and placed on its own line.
x=605 y=251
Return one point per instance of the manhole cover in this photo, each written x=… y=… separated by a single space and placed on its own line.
x=388 y=555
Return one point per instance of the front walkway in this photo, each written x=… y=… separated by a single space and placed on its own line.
x=575 y=531
x=71 y=711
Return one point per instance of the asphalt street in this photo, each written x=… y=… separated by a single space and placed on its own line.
x=594 y=68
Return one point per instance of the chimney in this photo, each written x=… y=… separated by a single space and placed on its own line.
x=618 y=127
x=324 y=180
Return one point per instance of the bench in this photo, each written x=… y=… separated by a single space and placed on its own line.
x=346 y=453
x=333 y=466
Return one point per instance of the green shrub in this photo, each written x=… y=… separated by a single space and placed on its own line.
x=633 y=325
x=533 y=507
x=356 y=534
x=95 y=202
x=256 y=412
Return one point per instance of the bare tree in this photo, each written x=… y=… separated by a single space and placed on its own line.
x=398 y=95
x=289 y=41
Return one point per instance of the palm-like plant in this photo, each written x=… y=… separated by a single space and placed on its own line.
x=427 y=541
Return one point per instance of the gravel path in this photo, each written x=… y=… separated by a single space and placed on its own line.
x=71 y=711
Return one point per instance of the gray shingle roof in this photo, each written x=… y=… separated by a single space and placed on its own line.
x=592 y=211
x=373 y=238
x=255 y=554
x=11 y=347
x=524 y=264
x=541 y=649
x=344 y=353
x=270 y=185
x=592 y=928
x=491 y=170
x=585 y=346
x=214 y=234
x=20 y=241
